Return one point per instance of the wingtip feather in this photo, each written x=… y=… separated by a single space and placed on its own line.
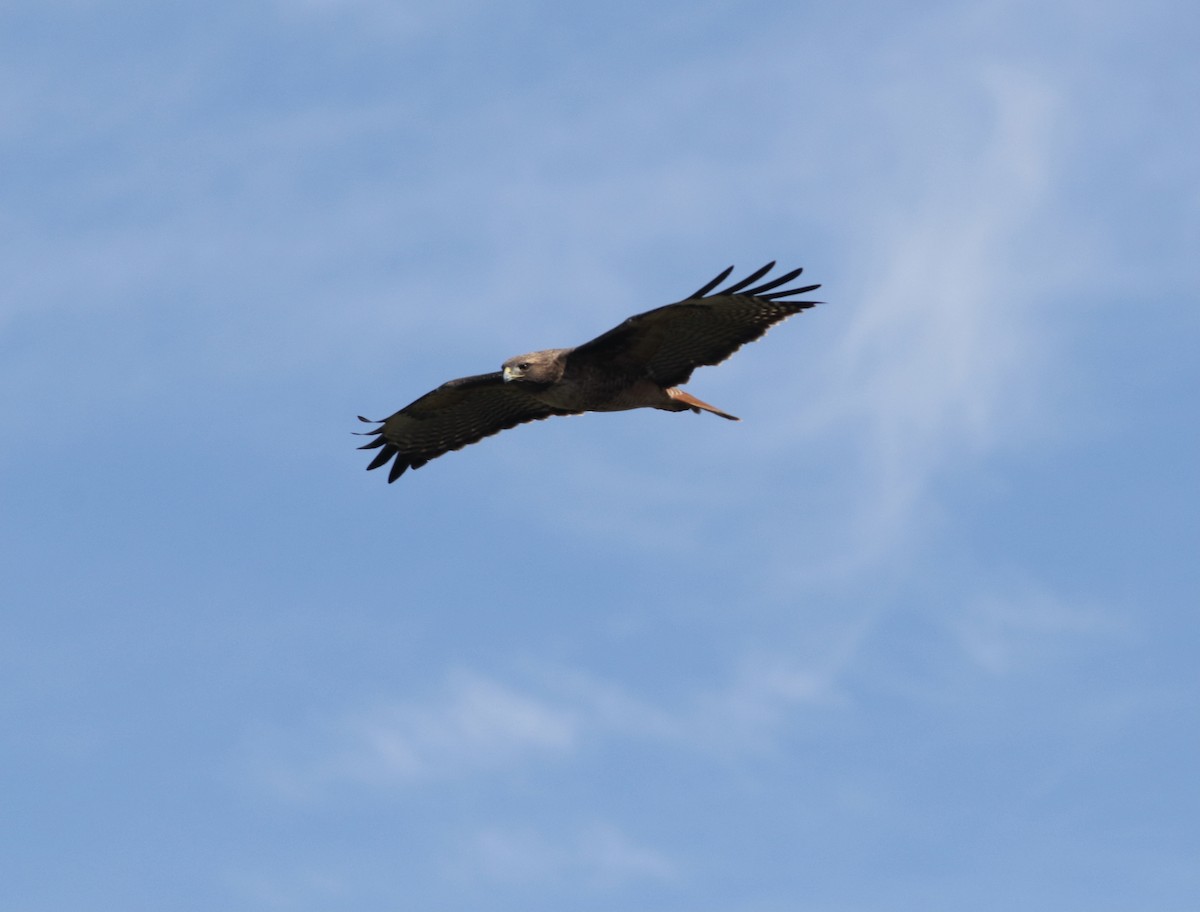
x=705 y=289
x=750 y=279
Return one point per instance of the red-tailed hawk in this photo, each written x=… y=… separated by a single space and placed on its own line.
x=639 y=364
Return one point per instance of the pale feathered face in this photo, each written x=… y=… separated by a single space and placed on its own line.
x=536 y=367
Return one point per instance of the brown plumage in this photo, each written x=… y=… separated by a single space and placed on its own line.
x=638 y=364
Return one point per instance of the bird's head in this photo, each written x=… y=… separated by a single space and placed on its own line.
x=540 y=368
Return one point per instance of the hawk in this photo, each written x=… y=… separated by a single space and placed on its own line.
x=639 y=364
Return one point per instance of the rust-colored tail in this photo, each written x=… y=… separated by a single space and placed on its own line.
x=696 y=405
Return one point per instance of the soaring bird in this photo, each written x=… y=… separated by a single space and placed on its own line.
x=639 y=364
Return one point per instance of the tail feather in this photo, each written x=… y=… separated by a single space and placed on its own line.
x=696 y=405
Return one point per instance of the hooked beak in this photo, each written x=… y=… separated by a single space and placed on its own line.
x=508 y=374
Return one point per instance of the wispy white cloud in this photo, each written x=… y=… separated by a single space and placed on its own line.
x=739 y=714
x=600 y=855
x=479 y=725
x=404 y=21
x=942 y=360
x=1005 y=634
x=295 y=889
x=476 y=724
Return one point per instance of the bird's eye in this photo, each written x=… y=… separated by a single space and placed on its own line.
x=524 y=365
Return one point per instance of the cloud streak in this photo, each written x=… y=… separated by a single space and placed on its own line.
x=478 y=724
x=600 y=856
x=941 y=360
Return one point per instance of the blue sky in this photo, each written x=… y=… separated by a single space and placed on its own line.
x=917 y=634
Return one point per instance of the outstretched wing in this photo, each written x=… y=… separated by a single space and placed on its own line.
x=450 y=417
x=704 y=328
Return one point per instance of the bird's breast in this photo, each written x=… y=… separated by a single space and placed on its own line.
x=604 y=391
